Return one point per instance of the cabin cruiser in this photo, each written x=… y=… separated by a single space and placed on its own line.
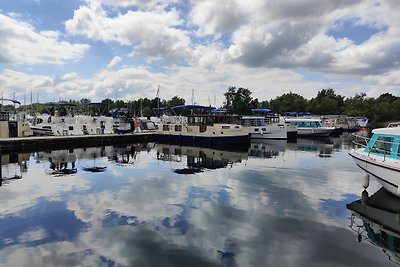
x=261 y=130
x=309 y=127
x=379 y=156
x=60 y=122
x=202 y=129
x=276 y=120
x=14 y=124
x=376 y=219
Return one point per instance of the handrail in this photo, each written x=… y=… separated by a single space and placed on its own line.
x=373 y=148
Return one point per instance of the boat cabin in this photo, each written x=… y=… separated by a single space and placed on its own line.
x=385 y=142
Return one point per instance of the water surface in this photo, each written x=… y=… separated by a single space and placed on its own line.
x=275 y=204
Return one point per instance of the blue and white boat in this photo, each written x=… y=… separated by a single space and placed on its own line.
x=380 y=156
x=201 y=130
x=309 y=127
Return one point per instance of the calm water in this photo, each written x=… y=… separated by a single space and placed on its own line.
x=278 y=204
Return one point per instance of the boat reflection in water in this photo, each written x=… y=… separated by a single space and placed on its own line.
x=126 y=154
x=199 y=158
x=376 y=219
x=262 y=148
x=12 y=166
x=63 y=162
x=322 y=146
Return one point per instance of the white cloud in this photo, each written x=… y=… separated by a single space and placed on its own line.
x=22 y=44
x=114 y=62
x=153 y=33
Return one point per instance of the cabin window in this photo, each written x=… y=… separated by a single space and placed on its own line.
x=264 y=129
x=178 y=128
x=382 y=145
x=398 y=151
x=71 y=127
x=165 y=127
x=237 y=127
x=226 y=127
x=256 y=129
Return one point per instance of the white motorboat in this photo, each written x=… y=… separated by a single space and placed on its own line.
x=258 y=128
x=309 y=127
x=380 y=156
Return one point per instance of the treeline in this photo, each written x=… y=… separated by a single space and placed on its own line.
x=379 y=110
x=240 y=101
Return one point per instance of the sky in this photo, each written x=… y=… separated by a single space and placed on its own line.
x=55 y=50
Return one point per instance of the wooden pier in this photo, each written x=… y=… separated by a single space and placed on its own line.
x=33 y=143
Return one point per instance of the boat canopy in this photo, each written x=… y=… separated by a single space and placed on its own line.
x=261 y=110
x=60 y=104
x=11 y=100
x=193 y=107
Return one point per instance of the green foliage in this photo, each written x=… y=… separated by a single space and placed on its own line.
x=326 y=102
x=240 y=101
x=289 y=102
x=176 y=101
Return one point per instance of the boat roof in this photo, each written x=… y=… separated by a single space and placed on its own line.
x=301 y=119
x=192 y=107
x=59 y=104
x=261 y=110
x=391 y=130
x=11 y=100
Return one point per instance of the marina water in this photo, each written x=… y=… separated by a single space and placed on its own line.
x=275 y=204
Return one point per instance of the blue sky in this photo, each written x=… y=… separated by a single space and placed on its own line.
x=102 y=48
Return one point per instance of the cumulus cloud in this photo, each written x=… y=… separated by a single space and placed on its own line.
x=154 y=33
x=22 y=44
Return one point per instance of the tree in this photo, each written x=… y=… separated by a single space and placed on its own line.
x=326 y=102
x=176 y=101
x=239 y=101
x=289 y=102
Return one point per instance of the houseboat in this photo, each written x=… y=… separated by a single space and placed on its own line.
x=13 y=124
x=202 y=129
x=379 y=156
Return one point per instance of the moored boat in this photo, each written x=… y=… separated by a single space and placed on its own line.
x=380 y=156
x=259 y=129
x=13 y=124
x=309 y=127
x=202 y=129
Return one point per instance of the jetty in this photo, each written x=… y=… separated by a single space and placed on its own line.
x=34 y=143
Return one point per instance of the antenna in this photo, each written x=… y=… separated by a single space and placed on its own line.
x=193 y=96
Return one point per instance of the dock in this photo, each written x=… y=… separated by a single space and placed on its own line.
x=34 y=143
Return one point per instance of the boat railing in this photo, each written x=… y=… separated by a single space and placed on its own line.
x=380 y=146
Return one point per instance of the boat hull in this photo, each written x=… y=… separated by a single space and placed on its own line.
x=314 y=132
x=384 y=170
